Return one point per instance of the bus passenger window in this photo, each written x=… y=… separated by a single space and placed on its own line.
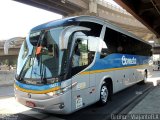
x=95 y=28
x=104 y=52
x=120 y=49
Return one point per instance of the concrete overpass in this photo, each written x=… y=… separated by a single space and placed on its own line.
x=146 y=11
x=9 y=60
x=11 y=57
x=12 y=51
x=99 y=8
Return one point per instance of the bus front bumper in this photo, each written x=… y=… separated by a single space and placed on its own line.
x=60 y=104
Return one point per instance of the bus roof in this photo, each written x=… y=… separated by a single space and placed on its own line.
x=54 y=23
x=77 y=19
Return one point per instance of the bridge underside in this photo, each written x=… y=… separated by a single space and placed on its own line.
x=146 y=11
x=62 y=7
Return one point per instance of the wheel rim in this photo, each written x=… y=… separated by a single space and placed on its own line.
x=104 y=94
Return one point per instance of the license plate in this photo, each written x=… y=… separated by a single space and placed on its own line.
x=30 y=104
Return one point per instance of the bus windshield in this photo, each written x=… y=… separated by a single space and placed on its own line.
x=46 y=62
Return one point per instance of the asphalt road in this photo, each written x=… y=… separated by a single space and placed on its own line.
x=9 y=108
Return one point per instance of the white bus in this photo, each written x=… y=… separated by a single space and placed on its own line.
x=68 y=64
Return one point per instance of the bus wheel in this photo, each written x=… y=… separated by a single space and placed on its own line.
x=104 y=93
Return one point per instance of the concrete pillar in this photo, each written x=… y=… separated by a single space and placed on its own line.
x=93 y=7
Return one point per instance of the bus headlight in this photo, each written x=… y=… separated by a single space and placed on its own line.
x=51 y=93
x=65 y=89
x=55 y=93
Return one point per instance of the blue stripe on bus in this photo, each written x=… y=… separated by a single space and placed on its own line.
x=118 y=61
x=36 y=87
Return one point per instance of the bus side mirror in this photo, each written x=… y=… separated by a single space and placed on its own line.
x=95 y=43
x=101 y=45
x=67 y=32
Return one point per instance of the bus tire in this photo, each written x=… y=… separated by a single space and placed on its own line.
x=104 y=94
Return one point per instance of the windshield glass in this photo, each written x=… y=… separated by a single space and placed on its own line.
x=45 y=60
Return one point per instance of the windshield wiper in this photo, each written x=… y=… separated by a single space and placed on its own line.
x=38 y=56
x=43 y=72
x=23 y=70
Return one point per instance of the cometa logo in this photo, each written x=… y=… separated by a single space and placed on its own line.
x=128 y=61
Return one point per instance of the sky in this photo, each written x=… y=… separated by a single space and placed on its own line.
x=17 y=19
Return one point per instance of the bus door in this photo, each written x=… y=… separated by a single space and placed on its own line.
x=83 y=93
x=80 y=49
